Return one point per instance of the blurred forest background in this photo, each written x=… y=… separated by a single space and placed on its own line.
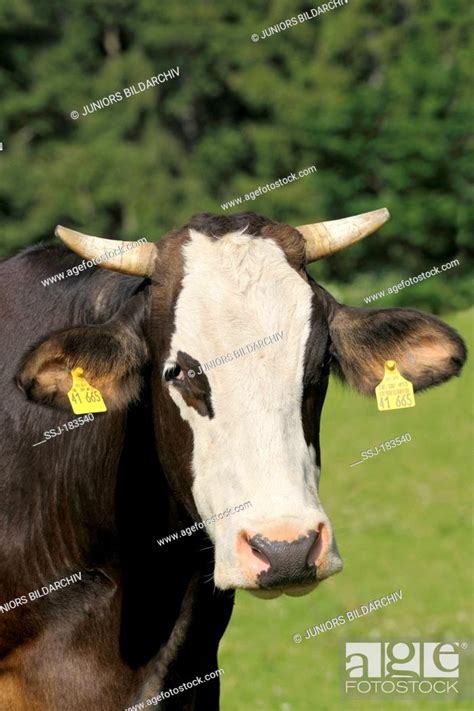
x=374 y=93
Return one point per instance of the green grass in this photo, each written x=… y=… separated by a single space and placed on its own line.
x=402 y=521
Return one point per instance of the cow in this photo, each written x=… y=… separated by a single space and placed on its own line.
x=180 y=443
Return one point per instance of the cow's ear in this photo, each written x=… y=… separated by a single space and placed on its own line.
x=427 y=350
x=112 y=356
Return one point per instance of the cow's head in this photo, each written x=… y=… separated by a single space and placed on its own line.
x=235 y=422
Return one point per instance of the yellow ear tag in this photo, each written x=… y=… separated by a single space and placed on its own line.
x=394 y=392
x=83 y=397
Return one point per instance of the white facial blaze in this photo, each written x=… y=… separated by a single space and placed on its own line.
x=238 y=290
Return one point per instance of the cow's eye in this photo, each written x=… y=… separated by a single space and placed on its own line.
x=174 y=372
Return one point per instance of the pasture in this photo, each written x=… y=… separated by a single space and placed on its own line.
x=402 y=521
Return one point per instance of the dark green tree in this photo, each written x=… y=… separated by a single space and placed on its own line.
x=374 y=94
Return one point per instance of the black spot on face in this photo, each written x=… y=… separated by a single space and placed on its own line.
x=186 y=375
x=317 y=354
x=316 y=368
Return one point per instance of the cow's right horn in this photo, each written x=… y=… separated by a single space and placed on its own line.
x=326 y=238
x=136 y=258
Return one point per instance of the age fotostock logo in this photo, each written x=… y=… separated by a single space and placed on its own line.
x=403 y=668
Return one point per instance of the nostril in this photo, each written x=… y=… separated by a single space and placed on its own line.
x=251 y=557
x=261 y=557
x=316 y=547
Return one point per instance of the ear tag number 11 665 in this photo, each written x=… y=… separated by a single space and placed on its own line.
x=394 y=392
x=83 y=397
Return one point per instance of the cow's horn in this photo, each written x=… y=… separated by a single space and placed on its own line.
x=136 y=258
x=326 y=238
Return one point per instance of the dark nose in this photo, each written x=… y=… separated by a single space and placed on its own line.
x=287 y=562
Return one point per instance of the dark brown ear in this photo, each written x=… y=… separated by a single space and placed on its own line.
x=427 y=350
x=112 y=356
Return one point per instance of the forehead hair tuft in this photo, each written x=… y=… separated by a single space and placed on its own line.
x=286 y=237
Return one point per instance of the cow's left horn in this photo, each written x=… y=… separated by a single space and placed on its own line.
x=133 y=257
x=326 y=238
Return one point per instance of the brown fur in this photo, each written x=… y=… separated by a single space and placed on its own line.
x=89 y=502
x=286 y=237
x=426 y=350
x=111 y=356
